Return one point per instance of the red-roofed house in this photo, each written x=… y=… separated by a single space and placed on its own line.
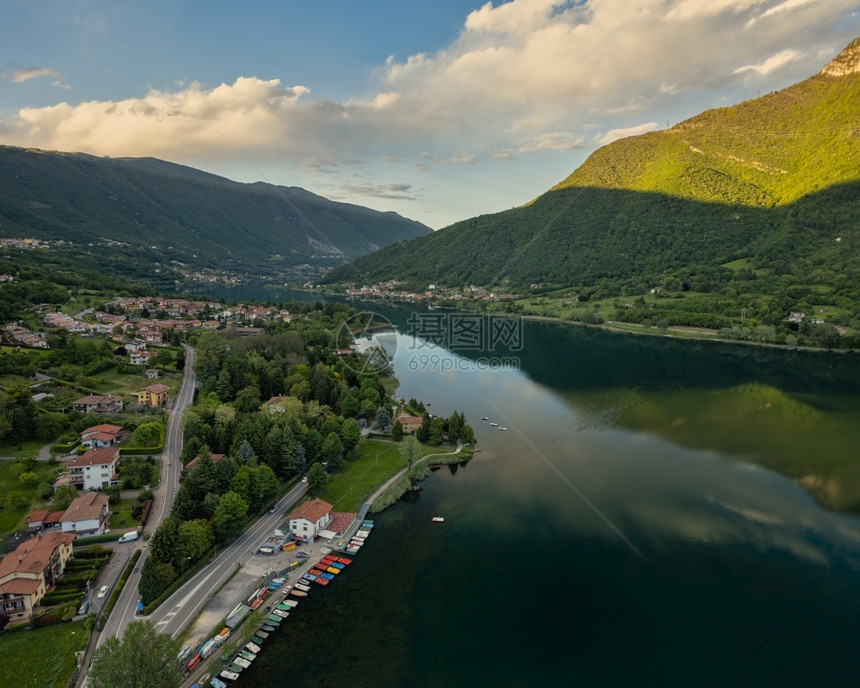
x=87 y=515
x=96 y=468
x=44 y=519
x=309 y=519
x=154 y=395
x=30 y=570
x=410 y=423
x=215 y=459
x=104 y=435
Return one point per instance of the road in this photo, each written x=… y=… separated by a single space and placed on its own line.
x=171 y=469
x=181 y=608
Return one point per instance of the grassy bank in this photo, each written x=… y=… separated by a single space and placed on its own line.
x=44 y=657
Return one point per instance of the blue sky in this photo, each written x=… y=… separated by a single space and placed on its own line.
x=439 y=111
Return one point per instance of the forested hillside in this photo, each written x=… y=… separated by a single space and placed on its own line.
x=182 y=214
x=766 y=190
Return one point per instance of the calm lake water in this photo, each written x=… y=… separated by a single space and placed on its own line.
x=658 y=513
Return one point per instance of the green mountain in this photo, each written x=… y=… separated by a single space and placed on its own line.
x=186 y=215
x=771 y=185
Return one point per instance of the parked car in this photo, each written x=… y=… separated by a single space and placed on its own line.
x=304 y=479
x=84 y=608
x=302 y=555
x=102 y=591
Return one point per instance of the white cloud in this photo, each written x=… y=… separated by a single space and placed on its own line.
x=22 y=74
x=615 y=134
x=771 y=64
x=521 y=78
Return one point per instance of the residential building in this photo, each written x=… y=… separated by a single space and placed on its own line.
x=152 y=373
x=98 y=403
x=104 y=435
x=309 y=519
x=96 y=468
x=44 y=519
x=139 y=358
x=29 y=571
x=410 y=423
x=87 y=515
x=154 y=395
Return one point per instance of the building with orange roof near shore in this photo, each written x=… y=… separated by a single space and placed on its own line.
x=309 y=518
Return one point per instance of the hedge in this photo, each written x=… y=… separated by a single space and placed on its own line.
x=63 y=448
x=92 y=539
x=140 y=451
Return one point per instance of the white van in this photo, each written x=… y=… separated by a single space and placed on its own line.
x=129 y=537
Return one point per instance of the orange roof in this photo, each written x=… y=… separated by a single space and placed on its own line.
x=104 y=427
x=37 y=515
x=95 y=457
x=311 y=511
x=87 y=506
x=156 y=389
x=33 y=555
x=20 y=586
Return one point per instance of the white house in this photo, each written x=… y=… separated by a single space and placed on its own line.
x=309 y=519
x=96 y=468
x=87 y=515
x=139 y=358
x=104 y=435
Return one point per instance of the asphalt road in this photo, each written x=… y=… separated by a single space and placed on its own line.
x=181 y=608
x=171 y=469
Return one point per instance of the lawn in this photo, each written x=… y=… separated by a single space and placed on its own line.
x=44 y=657
x=120 y=514
x=374 y=462
x=18 y=499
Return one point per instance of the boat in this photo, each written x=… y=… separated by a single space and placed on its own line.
x=494 y=424
x=273 y=620
x=281 y=613
x=247 y=654
x=484 y=418
x=266 y=628
x=344 y=561
x=235 y=668
x=253 y=647
x=217 y=683
x=242 y=662
x=258 y=640
x=284 y=607
x=229 y=675
x=298 y=593
x=322 y=581
x=302 y=587
x=438 y=519
x=502 y=428
x=332 y=570
x=292 y=604
x=262 y=634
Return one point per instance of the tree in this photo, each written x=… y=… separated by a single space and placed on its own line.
x=317 y=479
x=410 y=450
x=196 y=538
x=436 y=432
x=144 y=657
x=350 y=433
x=162 y=358
x=63 y=497
x=397 y=431
x=229 y=518
x=264 y=487
x=383 y=417
x=147 y=435
x=332 y=452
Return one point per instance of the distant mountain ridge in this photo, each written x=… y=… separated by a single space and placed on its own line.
x=185 y=214
x=774 y=181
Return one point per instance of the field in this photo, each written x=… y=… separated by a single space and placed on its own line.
x=43 y=657
x=18 y=498
x=374 y=462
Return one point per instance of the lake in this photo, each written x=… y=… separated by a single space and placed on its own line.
x=656 y=513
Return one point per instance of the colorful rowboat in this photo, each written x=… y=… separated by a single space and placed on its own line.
x=291 y=603
x=242 y=662
x=298 y=593
x=281 y=613
x=229 y=675
x=322 y=581
x=268 y=629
